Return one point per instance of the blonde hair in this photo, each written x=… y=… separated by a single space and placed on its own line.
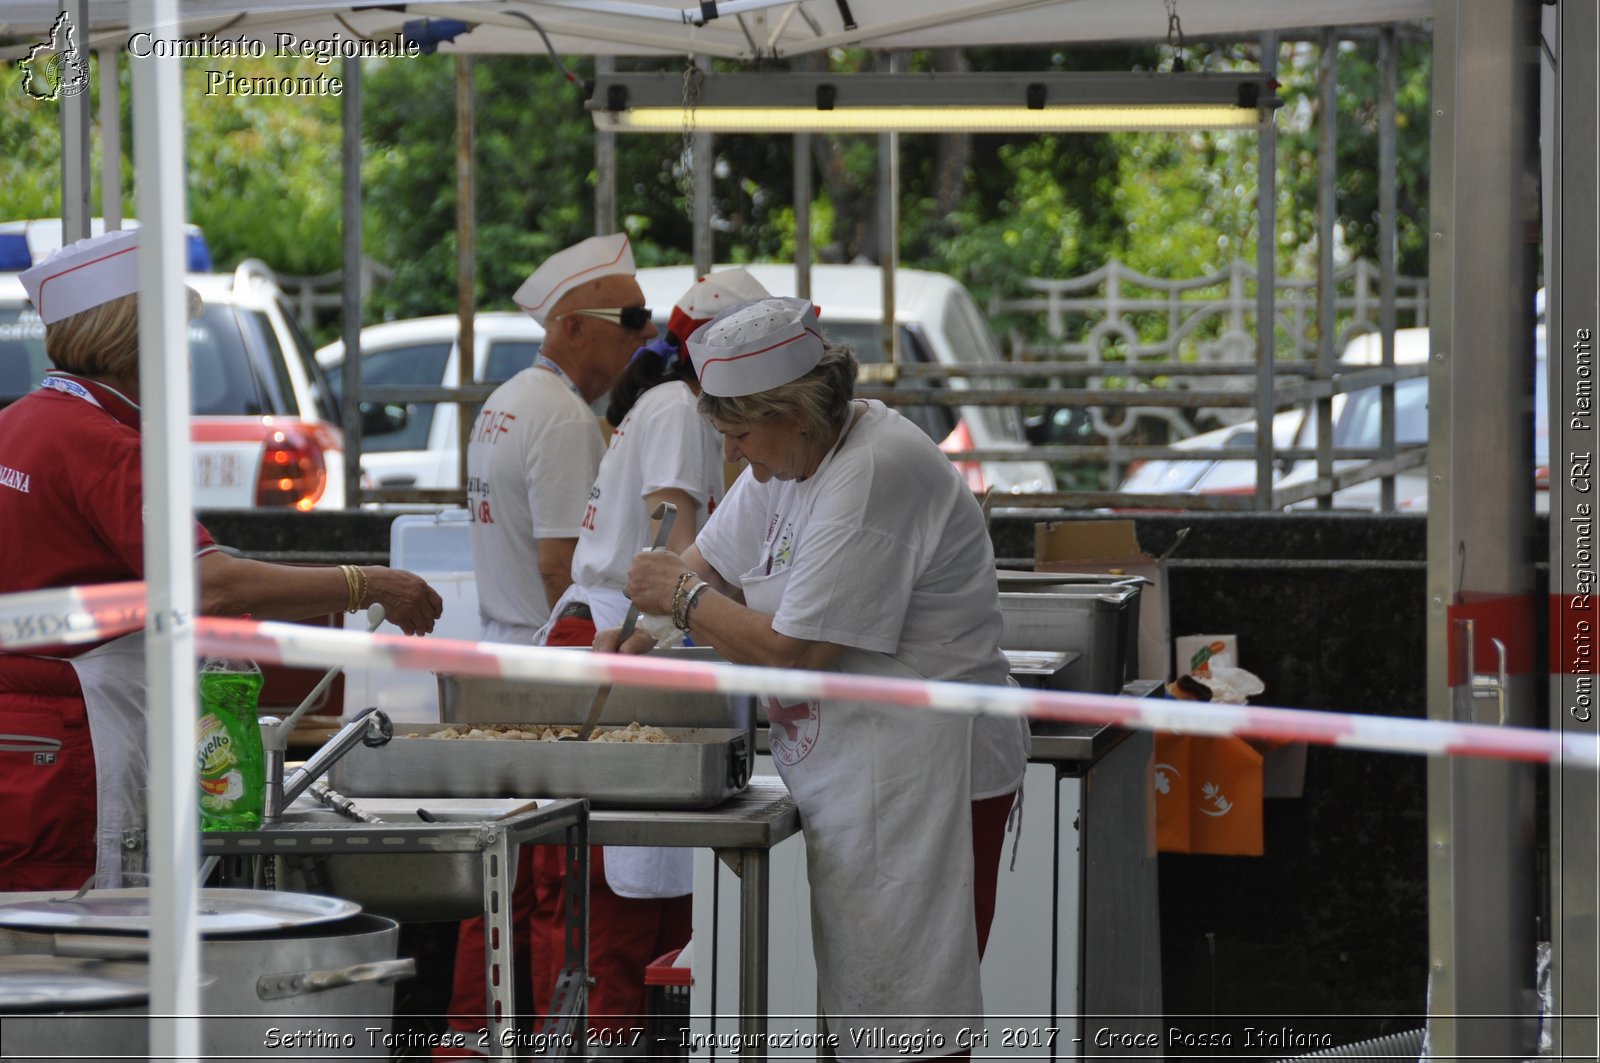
x=819 y=400
x=100 y=341
x=103 y=340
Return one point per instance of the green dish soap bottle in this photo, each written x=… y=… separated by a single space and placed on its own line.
x=228 y=746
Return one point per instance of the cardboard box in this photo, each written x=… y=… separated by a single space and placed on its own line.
x=1111 y=547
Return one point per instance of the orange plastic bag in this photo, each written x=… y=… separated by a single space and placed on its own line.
x=1208 y=795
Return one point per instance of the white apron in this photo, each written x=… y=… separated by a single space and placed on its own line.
x=884 y=800
x=113 y=681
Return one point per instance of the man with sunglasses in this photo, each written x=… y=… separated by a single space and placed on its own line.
x=531 y=461
x=536 y=445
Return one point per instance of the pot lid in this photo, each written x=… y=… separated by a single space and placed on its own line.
x=62 y=983
x=220 y=911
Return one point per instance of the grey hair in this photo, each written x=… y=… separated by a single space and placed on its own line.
x=819 y=400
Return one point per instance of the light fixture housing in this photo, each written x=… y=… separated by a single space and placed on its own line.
x=931 y=102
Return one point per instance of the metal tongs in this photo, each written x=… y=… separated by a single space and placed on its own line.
x=666 y=513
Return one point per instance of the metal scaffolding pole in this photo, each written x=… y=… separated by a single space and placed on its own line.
x=1327 y=217
x=605 y=170
x=75 y=156
x=169 y=571
x=1386 y=249
x=350 y=115
x=1266 y=284
x=1483 y=235
x=702 y=151
x=802 y=215
x=110 y=141
x=466 y=255
x=1572 y=231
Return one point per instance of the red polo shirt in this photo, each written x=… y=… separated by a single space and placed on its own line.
x=71 y=490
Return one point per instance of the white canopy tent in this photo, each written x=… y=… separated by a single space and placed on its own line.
x=749 y=29
x=744 y=29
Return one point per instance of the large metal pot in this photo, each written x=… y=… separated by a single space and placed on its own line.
x=59 y=1007
x=318 y=989
x=323 y=990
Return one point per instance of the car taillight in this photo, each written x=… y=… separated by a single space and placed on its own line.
x=293 y=472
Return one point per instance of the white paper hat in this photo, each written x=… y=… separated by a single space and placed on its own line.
x=83 y=275
x=598 y=256
x=756 y=347
x=710 y=296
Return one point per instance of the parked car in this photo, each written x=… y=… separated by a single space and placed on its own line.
x=265 y=426
x=418 y=444
x=1357 y=423
x=940 y=324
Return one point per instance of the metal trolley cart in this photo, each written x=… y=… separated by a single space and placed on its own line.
x=433 y=859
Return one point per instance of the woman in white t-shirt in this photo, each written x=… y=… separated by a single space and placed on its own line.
x=662 y=450
x=851 y=544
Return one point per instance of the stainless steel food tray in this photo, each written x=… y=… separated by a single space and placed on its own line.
x=702 y=768
x=474 y=699
x=1095 y=617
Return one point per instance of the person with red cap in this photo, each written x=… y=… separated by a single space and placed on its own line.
x=661 y=450
x=73 y=768
x=532 y=458
x=850 y=544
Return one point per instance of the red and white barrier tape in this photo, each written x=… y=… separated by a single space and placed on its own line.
x=73 y=616
x=295 y=644
x=89 y=614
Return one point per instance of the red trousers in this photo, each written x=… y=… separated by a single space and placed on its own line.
x=625 y=934
x=47 y=777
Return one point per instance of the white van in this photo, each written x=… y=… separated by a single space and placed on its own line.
x=418 y=444
x=1357 y=423
x=940 y=324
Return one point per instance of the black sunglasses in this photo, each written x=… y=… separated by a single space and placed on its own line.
x=632 y=318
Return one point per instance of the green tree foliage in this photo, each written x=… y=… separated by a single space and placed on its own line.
x=264 y=176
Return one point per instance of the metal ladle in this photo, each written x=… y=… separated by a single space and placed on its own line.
x=666 y=513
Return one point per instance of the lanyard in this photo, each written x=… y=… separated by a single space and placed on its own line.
x=68 y=386
x=544 y=363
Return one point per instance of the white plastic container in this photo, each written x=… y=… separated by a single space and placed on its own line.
x=437 y=547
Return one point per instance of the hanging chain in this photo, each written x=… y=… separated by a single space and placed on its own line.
x=1175 y=35
x=692 y=76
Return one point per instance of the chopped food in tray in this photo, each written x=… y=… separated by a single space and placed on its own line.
x=535 y=732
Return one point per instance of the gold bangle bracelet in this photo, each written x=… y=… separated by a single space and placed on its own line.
x=349 y=573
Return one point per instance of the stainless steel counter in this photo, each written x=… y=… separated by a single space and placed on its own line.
x=494 y=840
x=741 y=831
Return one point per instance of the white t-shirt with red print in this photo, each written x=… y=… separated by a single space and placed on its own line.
x=532 y=457
x=887 y=551
x=663 y=443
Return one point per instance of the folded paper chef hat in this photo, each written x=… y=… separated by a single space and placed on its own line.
x=756 y=347
x=83 y=275
x=598 y=256
x=710 y=296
